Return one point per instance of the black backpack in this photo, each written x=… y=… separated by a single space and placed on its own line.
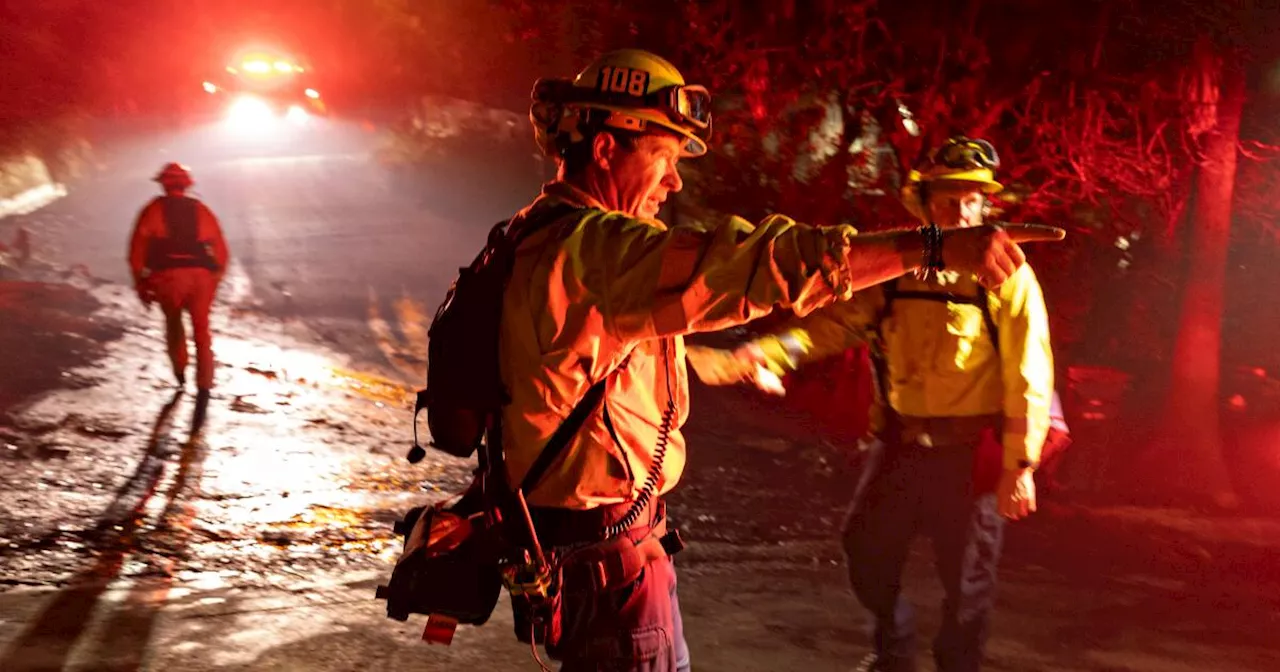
x=464 y=393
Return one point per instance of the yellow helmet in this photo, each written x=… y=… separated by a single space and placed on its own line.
x=962 y=160
x=635 y=88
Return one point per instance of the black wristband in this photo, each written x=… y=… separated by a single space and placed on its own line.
x=932 y=235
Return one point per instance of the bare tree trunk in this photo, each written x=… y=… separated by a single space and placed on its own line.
x=1193 y=444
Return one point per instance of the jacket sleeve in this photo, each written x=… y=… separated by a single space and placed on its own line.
x=1026 y=367
x=144 y=229
x=654 y=282
x=218 y=243
x=825 y=332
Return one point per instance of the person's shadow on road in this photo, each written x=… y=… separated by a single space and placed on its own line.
x=119 y=536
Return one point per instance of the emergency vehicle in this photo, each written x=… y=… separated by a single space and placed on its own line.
x=260 y=89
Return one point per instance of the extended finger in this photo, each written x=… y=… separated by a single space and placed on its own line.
x=1034 y=233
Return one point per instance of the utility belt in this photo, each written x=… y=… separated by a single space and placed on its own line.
x=590 y=559
x=559 y=527
x=171 y=263
x=166 y=253
x=939 y=431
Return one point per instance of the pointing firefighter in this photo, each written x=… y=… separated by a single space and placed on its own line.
x=178 y=257
x=600 y=298
x=961 y=363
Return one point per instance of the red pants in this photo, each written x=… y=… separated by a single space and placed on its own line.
x=191 y=290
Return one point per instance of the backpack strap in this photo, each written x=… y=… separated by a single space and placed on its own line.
x=982 y=300
x=878 y=356
x=564 y=434
x=572 y=424
x=528 y=226
x=891 y=293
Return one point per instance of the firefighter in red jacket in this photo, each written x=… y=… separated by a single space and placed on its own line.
x=178 y=256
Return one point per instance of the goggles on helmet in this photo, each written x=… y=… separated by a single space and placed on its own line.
x=966 y=154
x=686 y=105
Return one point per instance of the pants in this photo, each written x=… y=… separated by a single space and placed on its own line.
x=634 y=628
x=910 y=489
x=188 y=290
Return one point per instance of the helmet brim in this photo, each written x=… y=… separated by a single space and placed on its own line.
x=695 y=144
x=981 y=178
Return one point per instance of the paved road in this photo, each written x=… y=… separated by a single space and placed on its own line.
x=319 y=229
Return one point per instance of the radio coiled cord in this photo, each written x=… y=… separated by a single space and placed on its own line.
x=659 y=453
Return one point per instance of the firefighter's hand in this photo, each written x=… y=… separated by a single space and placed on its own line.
x=1016 y=496
x=778 y=353
x=730 y=367
x=146 y=294
x=719 y=367
x=991 y=251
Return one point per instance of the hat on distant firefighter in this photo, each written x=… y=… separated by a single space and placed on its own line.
x=174 y=175
x=958 y=162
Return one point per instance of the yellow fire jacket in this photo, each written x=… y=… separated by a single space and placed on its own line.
x=941 y=359
x=600 y=287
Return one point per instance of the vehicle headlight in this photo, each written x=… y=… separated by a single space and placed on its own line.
x=296 y=114
x=249 y=112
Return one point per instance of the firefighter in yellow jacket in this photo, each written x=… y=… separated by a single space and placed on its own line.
x=958 y=366
x=603 y=291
